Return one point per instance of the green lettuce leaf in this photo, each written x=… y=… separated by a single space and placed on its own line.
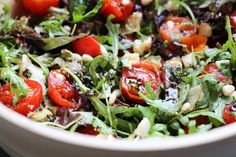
x=158 y=130
x=79 y=10
x=55 y=42
x=17 y=84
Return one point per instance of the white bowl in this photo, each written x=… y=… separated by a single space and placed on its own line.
x=21 y=137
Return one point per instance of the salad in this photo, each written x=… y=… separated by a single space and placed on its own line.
x=121 y=68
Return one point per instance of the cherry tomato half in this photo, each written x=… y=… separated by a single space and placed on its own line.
x=40 y=7
x=213 y=69
x=60 y=89
x=118 y=8
x=87 y=45
x=230 y=113
x=183 y=31
x=233 y=19
x=133 y=80
x=28 y=104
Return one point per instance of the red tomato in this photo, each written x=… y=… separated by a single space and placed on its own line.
x=233 y=19
x=60 y=89
x=213 y=69
x=118 y=9
x=182 y=30
x=28 y=104
x=88 y=129
x=133 y=80
x=87 y=45
x=229 y=113
x=40 y=7
x=199 y=121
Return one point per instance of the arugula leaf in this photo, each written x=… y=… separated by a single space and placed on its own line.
x=105 y=89
x=98 y=62
x=218 y=107
x=17 y=84
x=3 y=59
x=55 y=42
x=149 y=91
x=158 y=130
x=230 y=44
x=166 y=110
x=114 y=42
x=211 y=88
x=80 y=84
x=52 y=28
x=215 y=119
x=9 y=54
x=117 y=123
x=193 y=128
x=148 y=113
x=130 y=112
x=78 y=13
x=174 y=125
x=215 y=52
x=97 y=103
x=43 y=67
x=114 y=31
x=79 y=10
x=136 y=112
x=126 y=125
x=6 y=21
x=183 y=93
x=102 y=127
x=103 y=39
x=6 y=24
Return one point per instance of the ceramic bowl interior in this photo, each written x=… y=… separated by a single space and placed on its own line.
x=149 y=144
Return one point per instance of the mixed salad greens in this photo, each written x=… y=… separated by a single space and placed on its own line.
x=121 y=68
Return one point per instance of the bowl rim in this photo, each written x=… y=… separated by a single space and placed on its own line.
x=150 y=144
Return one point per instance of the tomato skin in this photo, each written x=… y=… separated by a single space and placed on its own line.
x=116 y=8
x=40 y=7
x=60 y=89
x=88 y=130
x=213 y=69
x=133 y=80
x=182 y=30
x=197 y=42
x=199 y=121
x=229 y=117
x=233 y=19
x=28 y=104
x=88 y=45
